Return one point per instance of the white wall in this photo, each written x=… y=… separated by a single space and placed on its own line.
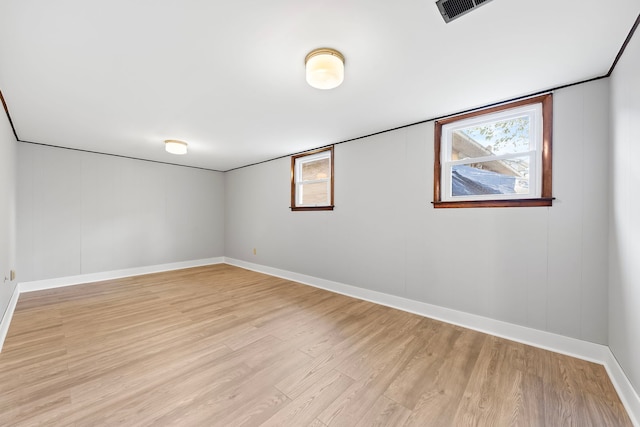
x=624 y=232
x=540 y=267
x=81 y=213
x=7 y=210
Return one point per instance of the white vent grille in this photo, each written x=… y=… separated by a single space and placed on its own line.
x=452 y=9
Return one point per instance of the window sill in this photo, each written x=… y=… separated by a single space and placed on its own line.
x=311 y=208
x=509 y=203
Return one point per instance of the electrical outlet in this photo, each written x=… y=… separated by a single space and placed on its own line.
x=12 y=275
x=254 y=251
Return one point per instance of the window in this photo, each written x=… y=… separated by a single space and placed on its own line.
x=312 y=180
x=497 y=157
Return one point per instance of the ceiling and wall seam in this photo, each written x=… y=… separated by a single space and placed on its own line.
x=608 y=74
x=118 y=155
x=6 y=110
x=624 y=45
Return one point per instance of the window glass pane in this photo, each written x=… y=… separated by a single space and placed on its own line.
x=509 y=176
x=312 y=180
x=314 y=194
x=317 y=169
x=493 y=138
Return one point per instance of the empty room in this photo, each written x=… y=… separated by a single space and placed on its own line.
x=334 y=213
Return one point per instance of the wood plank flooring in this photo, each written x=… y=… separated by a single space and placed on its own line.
x=223 y=346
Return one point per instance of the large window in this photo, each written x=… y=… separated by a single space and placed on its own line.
x=312 y=180
x=496 y=157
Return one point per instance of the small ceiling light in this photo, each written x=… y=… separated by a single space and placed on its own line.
x=175 y=147
x=325 y=68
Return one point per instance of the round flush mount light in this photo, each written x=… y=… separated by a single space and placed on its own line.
x=174 y=146
x=325 y=68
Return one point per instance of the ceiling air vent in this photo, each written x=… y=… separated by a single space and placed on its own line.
x=452 y=9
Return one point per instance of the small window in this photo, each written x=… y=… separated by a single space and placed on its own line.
x=312 y=180
x=497 y=157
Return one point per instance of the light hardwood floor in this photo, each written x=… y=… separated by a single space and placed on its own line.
x=224 y=346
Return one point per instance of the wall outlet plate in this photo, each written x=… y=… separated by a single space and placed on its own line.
x=12 y=275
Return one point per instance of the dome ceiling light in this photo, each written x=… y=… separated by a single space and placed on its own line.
x=325 y=68
x=174 y=146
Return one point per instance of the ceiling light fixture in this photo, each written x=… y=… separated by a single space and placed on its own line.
x=174 y=146
x=325 y=68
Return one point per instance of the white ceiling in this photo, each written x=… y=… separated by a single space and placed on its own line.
x=120 y=76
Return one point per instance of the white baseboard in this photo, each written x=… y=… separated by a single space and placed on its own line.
x=59 y=282
x=627 y=393
x=547 y=340
x=558 y=343
x=8 y=315
x=580 y=349
x=39 y=285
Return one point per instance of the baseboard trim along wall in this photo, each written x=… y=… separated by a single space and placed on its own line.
x=549 y=341
x=40 y=285
x=627 y=393
x=580 y=349
x=8 y=315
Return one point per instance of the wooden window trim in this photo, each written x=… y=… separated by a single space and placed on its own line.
x=545 y=199
x=293 y=206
